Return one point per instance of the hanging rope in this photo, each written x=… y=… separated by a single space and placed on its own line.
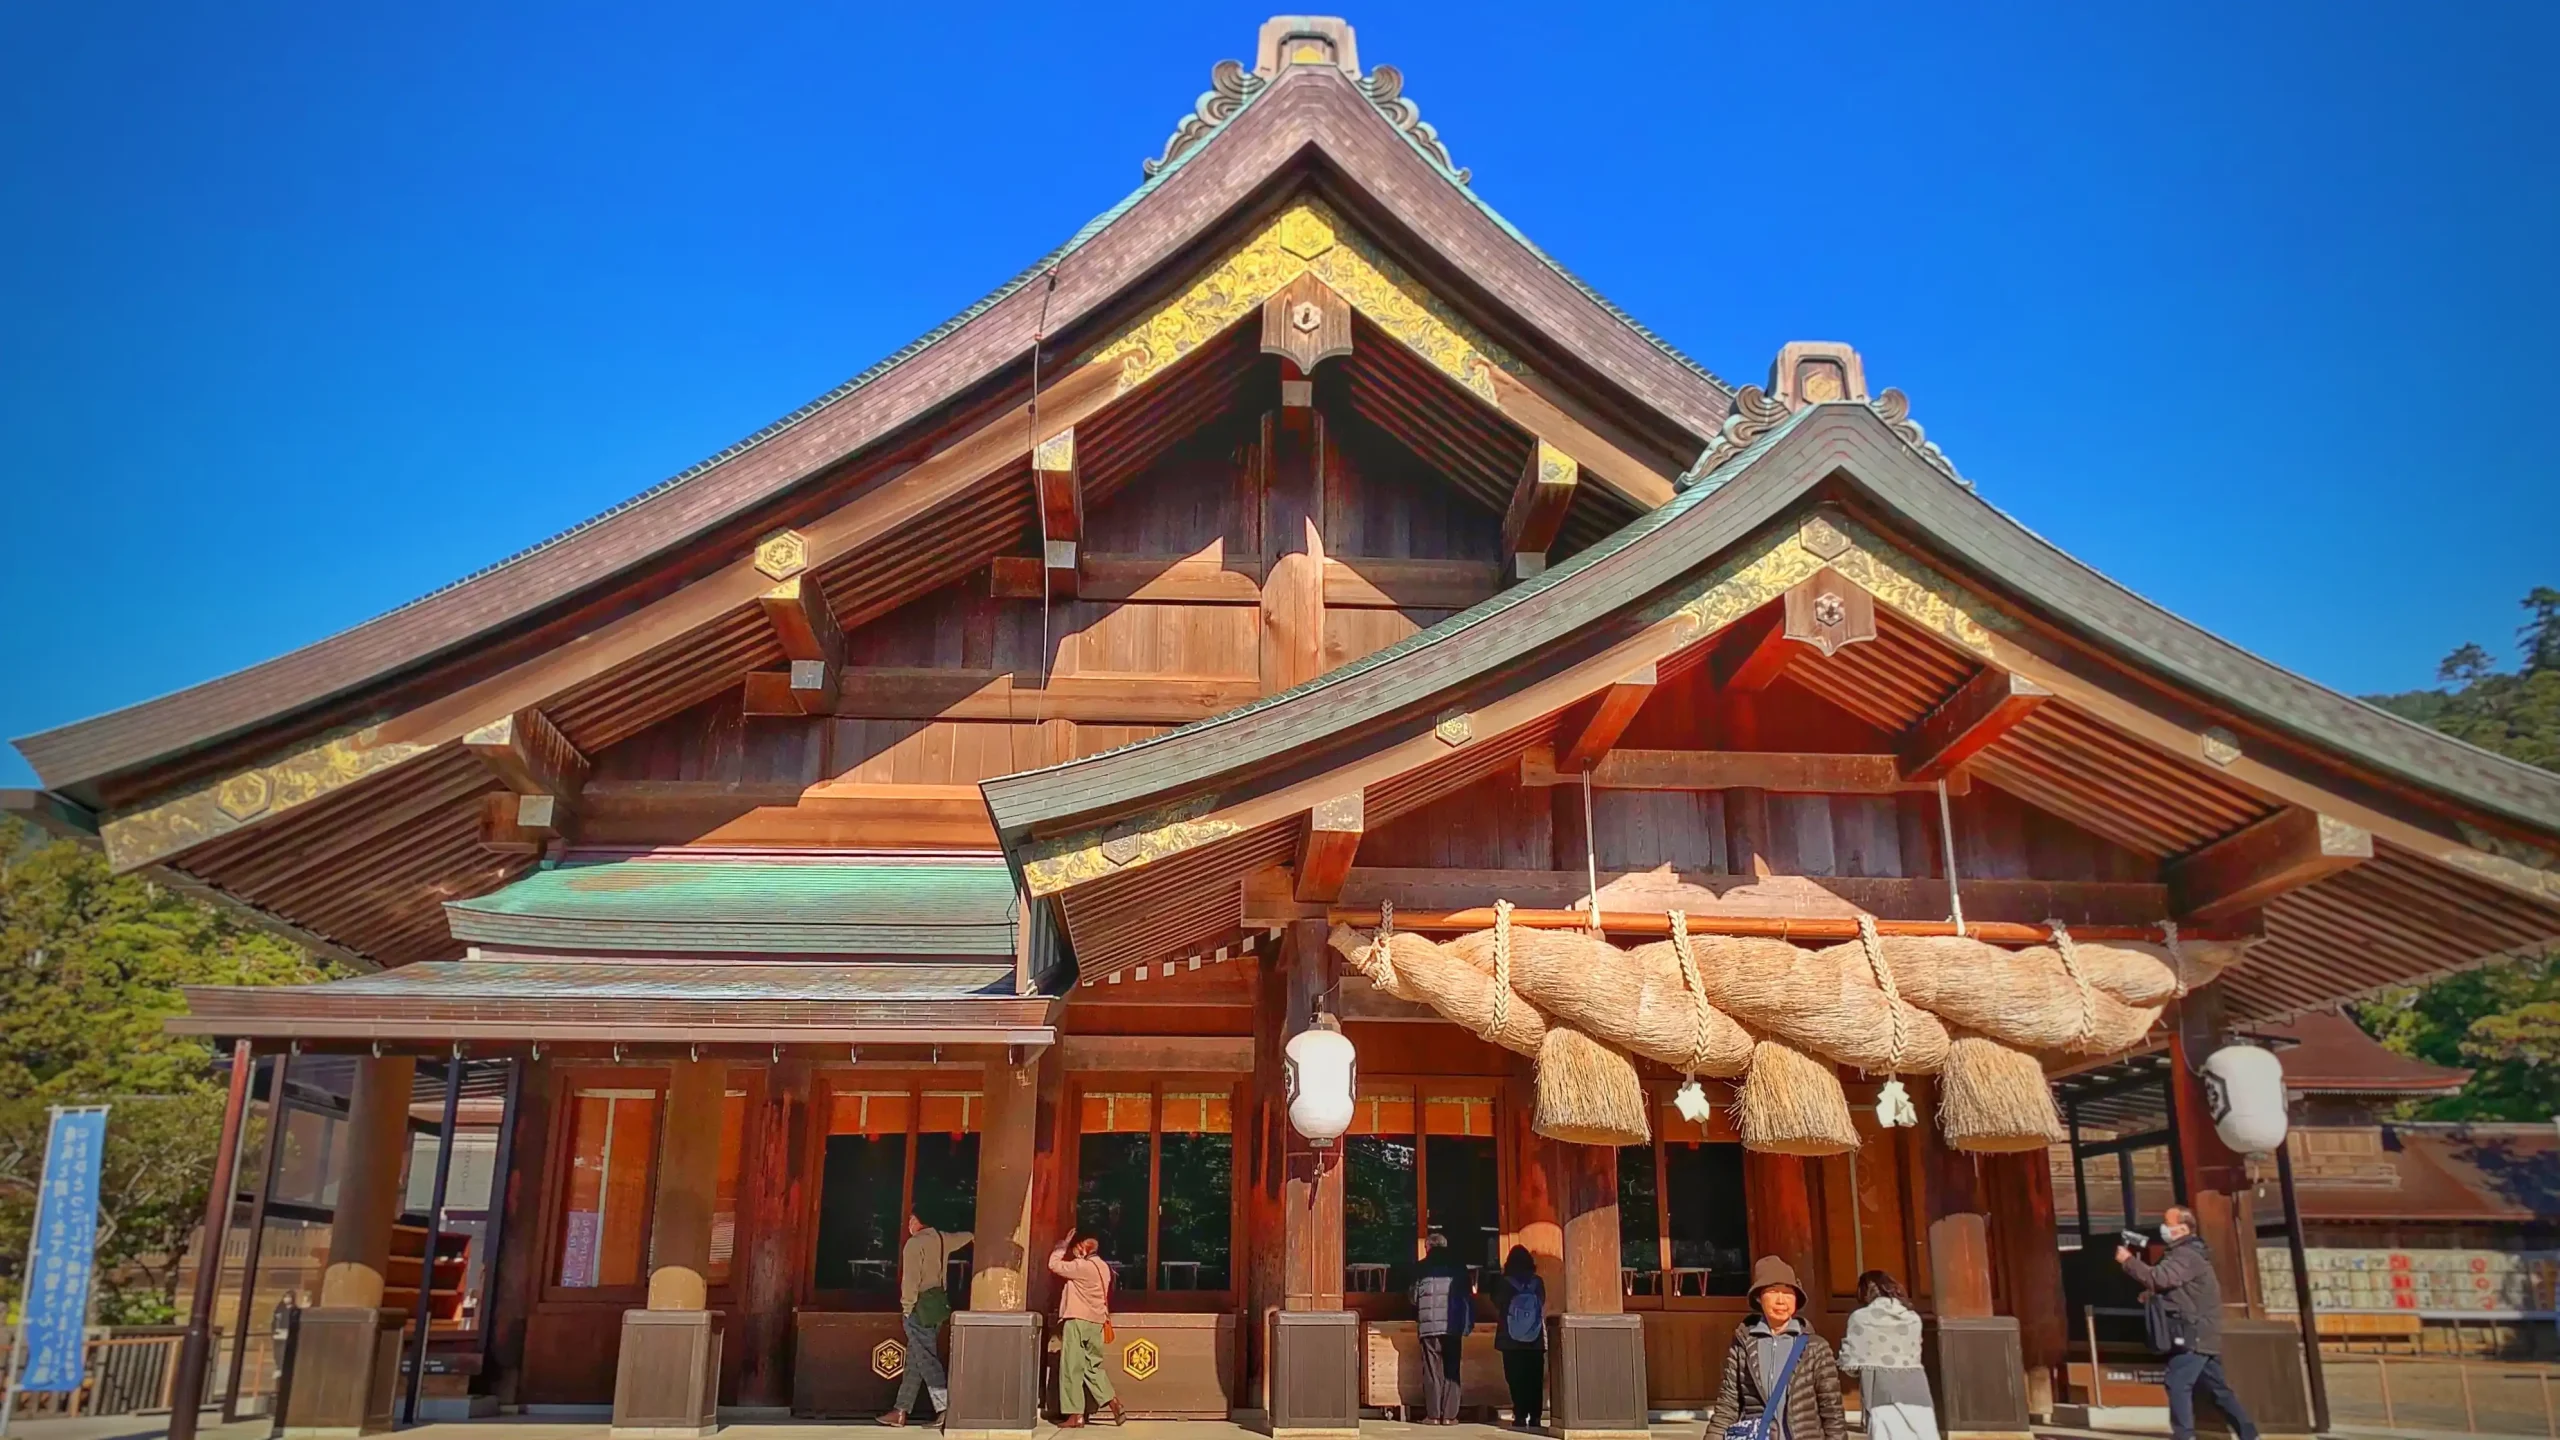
x=1893 y=1103
x=1382 y=950
x=1697 y=984
x=2071 y=966
x=2177 y=955
x=1947 y=836
x=1590 y=853
x=1501 y=968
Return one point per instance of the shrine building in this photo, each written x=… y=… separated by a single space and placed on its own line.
x=1296 y=605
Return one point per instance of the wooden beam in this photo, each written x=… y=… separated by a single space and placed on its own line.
x=806 y=625
x=1015 y=577
x=1966 y=723
x=1538 y=503
x=534 y=760
x=1293 y=600
x=1061 y=496
x=1326 y=845
x=901 y=693
x=1209 y=578
x=1367 y=582
x=1158 y=1054
x=1728 y=770
x=1755 y=927
x=1754 y=652
x=1618 y=705
x=2247 y=868
x=1529 y=403
x=832 y=815
x=500 y=832
x=1270 y=896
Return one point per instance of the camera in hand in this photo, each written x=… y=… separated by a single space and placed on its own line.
x=2132 y=1240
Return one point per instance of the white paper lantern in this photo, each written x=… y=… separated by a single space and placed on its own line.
x=2244 y=1092
x=1323 y=1078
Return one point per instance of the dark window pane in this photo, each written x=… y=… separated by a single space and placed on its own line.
x=1378 y=1219
x=1195 y=1191
x=1111 y=1202
x=1639 y=1220
x=858 y=1222
x=1466 y=1192
x=1710 y=1240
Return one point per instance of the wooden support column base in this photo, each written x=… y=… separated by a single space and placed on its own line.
x=1315 y=1375
x=995 y=1375
x=1599 y=1377
x=1977 y=1374
x=2263 y=1361
x=344 y=1362
x=666 y=1386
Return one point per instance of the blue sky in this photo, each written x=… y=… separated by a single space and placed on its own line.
x=308 y=309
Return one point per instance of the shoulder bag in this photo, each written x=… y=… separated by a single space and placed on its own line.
x=1757 y=1427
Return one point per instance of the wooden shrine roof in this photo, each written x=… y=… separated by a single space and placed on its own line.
x=778 y=905
x=1354 y=136
x=2161 y=736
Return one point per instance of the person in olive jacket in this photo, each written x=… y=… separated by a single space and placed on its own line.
x=1810 y=1409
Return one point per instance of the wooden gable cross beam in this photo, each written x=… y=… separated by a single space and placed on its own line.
x=1538 y=502
x=1966 y=723
x=1326 y=845
x=1618 y=706
x=533 y=759
x=1061 y=494
x=806 y=625
x=2250 y=866
x=1754 y=652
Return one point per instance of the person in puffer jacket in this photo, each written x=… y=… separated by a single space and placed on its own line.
x=1810 y=1409
x=1444 y=1310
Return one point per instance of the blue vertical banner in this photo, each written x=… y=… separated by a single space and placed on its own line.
x=55 y=1321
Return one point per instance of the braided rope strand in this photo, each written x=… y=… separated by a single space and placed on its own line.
x=1501 y=968
x=1382 y=950
x=1874 y=946
x=2177 y=955
x=1689 y=976
x=2071 y=966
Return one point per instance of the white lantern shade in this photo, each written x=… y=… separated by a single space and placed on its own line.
x=1324 y=1078
x=2244 y=1092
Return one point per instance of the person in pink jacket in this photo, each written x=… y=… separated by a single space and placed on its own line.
x=1084 y=1315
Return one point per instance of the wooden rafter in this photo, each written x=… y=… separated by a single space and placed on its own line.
x=1061 y=496
x=806 y=625
x=1618 y=706
x=1538 y=503
x=2247 y=868
x=1326 y=845
x=1966 y=723
x=537 y=763
x=1754 y=653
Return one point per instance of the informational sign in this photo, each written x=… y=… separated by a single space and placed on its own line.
x=54 y=1327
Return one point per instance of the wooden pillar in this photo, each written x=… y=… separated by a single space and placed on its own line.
x=1537 y=1186
x=1311 y=1185
x=1599 y=1364
x=2027 y=1265
x=1293 y=532
x=1746 y=831
x=520 y=1250
x=2216 y=1180
x=1000 y=1259
x=773 y=1193
x=1779 y=1194
x=1977 y=1369
x=688 y=1187
x=1587 y=1190
x=369 y=1193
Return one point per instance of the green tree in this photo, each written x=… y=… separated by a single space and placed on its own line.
x=2501 y=1020
x=90 y=966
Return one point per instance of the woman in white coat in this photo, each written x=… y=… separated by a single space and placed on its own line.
x=1883 y=1346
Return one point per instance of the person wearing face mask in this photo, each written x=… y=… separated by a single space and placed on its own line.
x=1781 y=1381
x=2188 y=1289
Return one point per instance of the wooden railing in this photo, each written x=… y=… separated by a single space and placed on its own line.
x=128 y=1370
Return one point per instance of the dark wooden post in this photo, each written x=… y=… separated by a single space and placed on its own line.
x=279 y=1071
x=425 y=1309
x=995 y=1343
x=186 y=1393
x=346 y=1366
x=1314 y=1371
x=516 y=1277
x=2028 y=1265
x=1599 y=1368
x=773 y=1194
x=1973 y=1354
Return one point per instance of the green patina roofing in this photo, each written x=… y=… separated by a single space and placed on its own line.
x=923 y=909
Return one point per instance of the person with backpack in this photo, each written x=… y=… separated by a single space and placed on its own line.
x=1883 y=1345
x=2182 y=1301
x=1444 y=1310
x=1780 y=1380
x=924 y=1302
x=1520 y=1299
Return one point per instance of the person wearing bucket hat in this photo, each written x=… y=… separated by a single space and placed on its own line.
x=1780 y=1379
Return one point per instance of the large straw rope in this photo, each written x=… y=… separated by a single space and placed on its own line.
x=1381 y=952
x=1701 y=1048
x=2071 y=967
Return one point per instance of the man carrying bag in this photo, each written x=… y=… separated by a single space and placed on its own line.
x=2182 y=1301
x=924 y=1265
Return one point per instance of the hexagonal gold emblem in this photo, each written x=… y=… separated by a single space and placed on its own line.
x=782 y=554
x=1454 y=728
x=1305 y=234
x=888 y=1359
x=1140 y=1359
x=244 y=795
